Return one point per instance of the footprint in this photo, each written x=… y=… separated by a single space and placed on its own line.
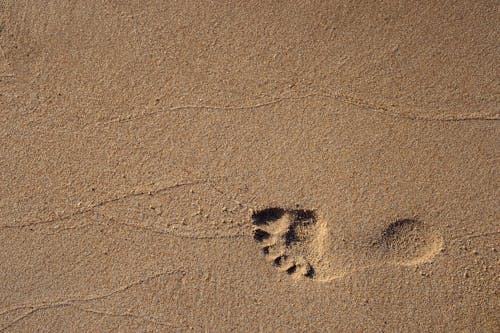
x=297 y=242
x=288 y=238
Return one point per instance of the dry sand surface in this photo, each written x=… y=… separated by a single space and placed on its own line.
x=249 y=166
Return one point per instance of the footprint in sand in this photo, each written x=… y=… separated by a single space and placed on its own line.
x=296 y=241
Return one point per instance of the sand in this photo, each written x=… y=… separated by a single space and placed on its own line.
x=250 y=166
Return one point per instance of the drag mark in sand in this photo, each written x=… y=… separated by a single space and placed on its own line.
x=342 y=98
x=363 y=105
x=175 y=210
x=101 y=204
x=296 y=242
x=78 y=301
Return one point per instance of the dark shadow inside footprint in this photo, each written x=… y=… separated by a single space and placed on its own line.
x=396 y=228
x=279 y=261
x=291 y=270
x=310 y=272
x=260 y=235
x=307 y=216
x=267 y=215
x=291 y=236
x=301 y=218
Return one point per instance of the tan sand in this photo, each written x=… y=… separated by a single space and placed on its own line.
x=252 y=166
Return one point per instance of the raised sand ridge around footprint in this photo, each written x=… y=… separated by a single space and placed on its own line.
x=297 y=242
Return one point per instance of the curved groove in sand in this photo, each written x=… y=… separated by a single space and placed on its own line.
x=76 y=300
x=389 y=111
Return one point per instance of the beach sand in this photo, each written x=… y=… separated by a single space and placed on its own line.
x=251 y=166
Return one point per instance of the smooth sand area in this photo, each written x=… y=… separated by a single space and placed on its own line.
x=249 y=166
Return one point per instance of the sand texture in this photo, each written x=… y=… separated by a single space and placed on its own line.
x=249 y=166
